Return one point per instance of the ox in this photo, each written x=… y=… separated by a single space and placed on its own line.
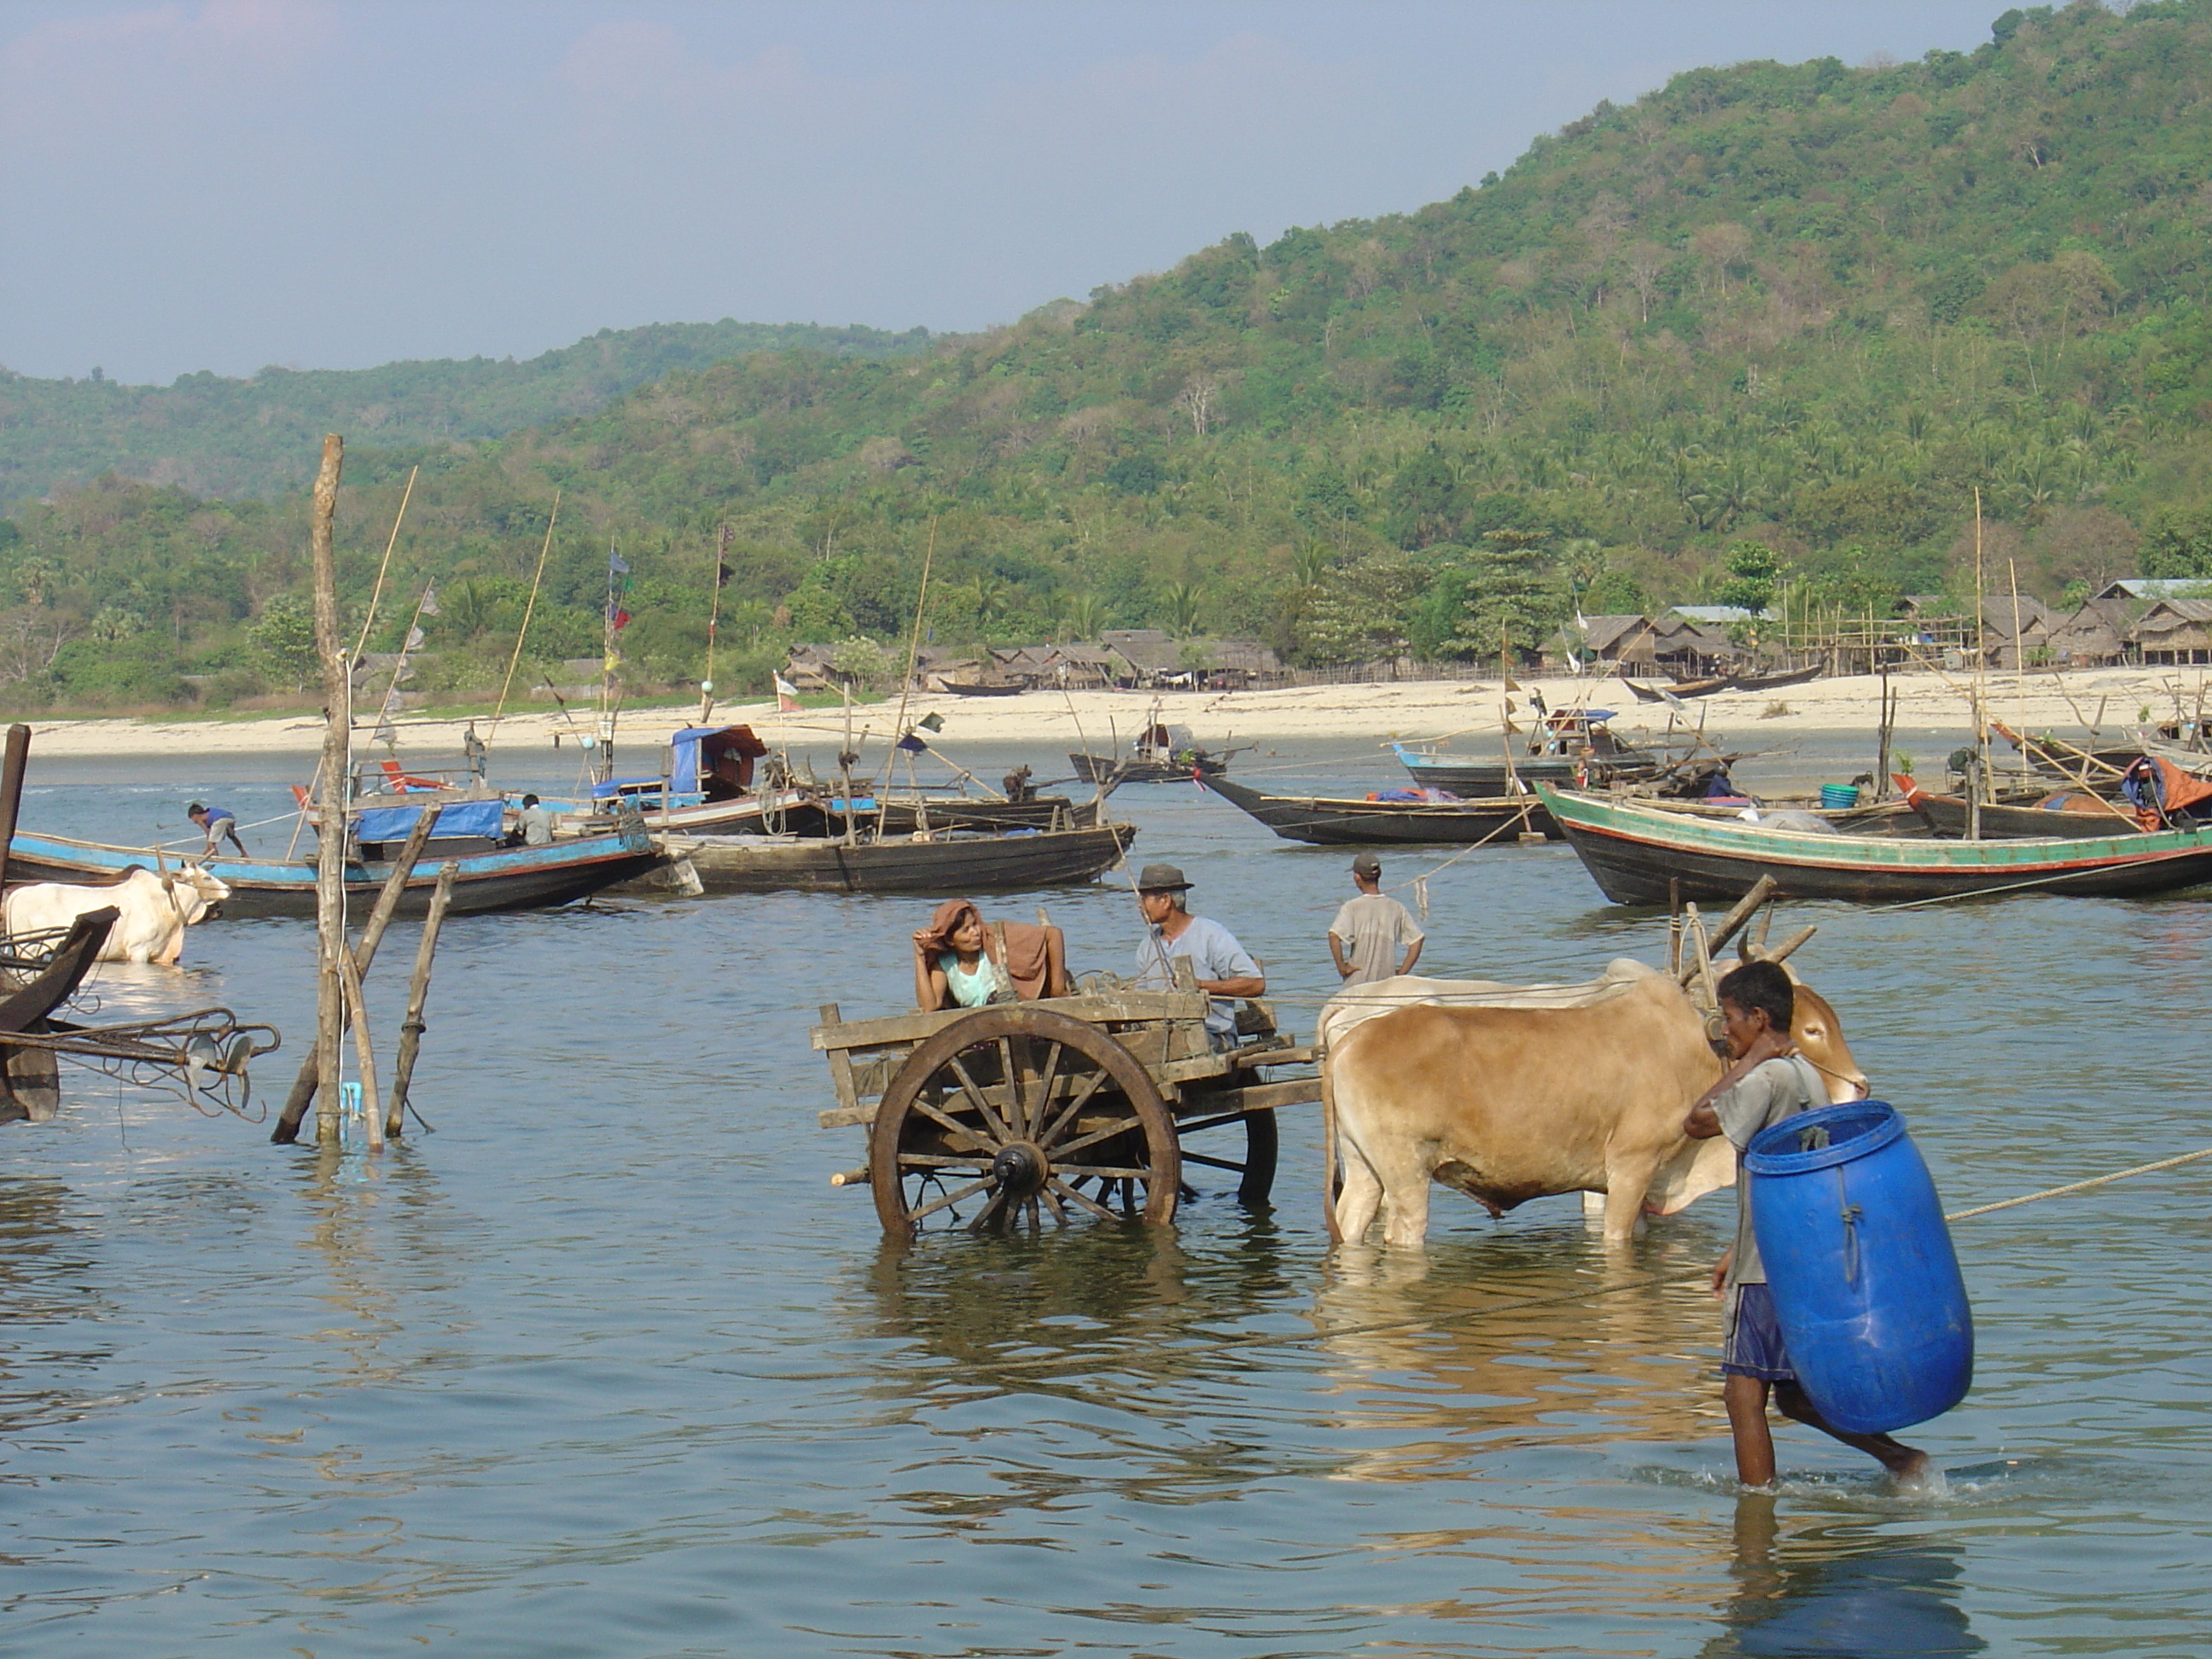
x=154 y=910
x=1508 y=1093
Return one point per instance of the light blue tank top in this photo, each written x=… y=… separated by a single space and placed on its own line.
x=969 y=990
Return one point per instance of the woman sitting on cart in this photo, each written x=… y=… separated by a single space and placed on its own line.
x=962 y=962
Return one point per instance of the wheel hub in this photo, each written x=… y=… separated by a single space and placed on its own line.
x=1019 y=1168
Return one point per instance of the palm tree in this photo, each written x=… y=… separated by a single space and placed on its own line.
x=1180 y=603
x=1085 y=615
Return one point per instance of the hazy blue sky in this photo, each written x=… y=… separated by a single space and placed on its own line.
x=338 y=183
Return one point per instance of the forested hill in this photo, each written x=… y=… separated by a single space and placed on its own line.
x=1768 y=317
x=217 y=436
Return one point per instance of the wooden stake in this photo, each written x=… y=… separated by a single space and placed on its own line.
x=387 y=902
x=418 y=993
x=330 y=859
x=364 y=1048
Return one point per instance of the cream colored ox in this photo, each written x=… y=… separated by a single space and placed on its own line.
x=1508 y=1093
x=153 y=910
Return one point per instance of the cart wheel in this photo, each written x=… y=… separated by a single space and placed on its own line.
x=1018 y=1116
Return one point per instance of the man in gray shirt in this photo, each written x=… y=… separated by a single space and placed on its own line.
x=1223 y=968
x=1767 y=1083
x=1373 y=936
x=537 y=824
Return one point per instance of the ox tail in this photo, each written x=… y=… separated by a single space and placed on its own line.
x=1328 y=1147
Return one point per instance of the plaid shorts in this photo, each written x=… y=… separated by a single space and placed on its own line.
x=1754 y=1347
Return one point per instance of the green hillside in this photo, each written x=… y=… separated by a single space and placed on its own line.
x=1769 y=318
x=259 y=436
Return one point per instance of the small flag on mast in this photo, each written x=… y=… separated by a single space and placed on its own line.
x=786 y=696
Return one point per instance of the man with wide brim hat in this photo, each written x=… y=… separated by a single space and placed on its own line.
x=1224 y=969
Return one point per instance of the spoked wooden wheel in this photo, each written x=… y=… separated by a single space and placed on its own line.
x=1021 y=1117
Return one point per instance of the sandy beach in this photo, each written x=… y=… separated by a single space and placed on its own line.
x=1930 y=706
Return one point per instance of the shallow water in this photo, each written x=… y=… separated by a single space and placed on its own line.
x=604 y=1366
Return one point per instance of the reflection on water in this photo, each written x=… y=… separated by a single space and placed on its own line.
x=1543 y=1333
x=605 y=1366
x=1832 y=1592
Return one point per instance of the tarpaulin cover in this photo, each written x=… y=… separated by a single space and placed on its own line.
x=462 y=818
x=2160 y=790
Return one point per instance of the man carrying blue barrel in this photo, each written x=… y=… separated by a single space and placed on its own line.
x=1767 y=1082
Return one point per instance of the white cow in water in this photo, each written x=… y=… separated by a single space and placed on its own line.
x=154 y=910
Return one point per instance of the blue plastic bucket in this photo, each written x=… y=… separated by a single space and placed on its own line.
x=1859 y=1262
x=1839 y=797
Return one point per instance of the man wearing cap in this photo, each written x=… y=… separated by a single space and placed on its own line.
x=1223 y=968
x=1370 y=931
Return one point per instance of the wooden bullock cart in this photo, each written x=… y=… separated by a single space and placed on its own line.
x=1071 y=1108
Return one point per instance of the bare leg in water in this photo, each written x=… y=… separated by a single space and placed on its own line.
x=1746 y=1400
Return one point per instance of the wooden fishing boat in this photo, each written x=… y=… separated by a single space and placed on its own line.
x=1105 y=769
x=985 y=688
x=945 y=864
x=1775 y=682
x=1159 y=754
x=1679 y=689
x=1636 y=854
x=1569 y=747
x=1323 y=821
x=500 y=878
x=2065 y=814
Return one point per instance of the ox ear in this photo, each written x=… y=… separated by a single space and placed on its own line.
x=168 y=882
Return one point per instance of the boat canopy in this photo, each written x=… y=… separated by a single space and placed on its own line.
x=459 y=818
x=699 y=752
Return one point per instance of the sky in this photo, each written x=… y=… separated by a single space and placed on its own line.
x=332 y=184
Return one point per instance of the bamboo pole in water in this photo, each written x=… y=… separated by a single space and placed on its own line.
x=364 y=1046
x=330 y=859
x=418 y=993
x=364 y=953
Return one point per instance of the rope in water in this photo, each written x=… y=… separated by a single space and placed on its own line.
x=1381 y=1327
x=2080 y=1185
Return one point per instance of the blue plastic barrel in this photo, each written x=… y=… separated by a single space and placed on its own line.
x=1839 y=797
x=1859 y=1262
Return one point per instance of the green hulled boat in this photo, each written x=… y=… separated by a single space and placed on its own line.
x=1639 y=853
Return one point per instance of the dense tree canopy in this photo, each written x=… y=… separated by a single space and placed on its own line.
x=1811 y=308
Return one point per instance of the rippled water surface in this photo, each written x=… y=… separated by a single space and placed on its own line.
x=604 y=1366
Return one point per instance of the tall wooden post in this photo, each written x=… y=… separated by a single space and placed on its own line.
x=331 y=818
x=11 y=790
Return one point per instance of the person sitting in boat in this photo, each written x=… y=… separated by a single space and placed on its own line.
x=962 y=962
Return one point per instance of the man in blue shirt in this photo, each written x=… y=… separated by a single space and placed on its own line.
x=218 y=824
x=1223 y=968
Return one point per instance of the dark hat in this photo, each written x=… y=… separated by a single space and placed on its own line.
x=1161 y=878
x=1367 y=865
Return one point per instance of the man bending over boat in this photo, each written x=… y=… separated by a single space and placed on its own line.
x=1765 y=1084
x=218 y=824
x=962 y=962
